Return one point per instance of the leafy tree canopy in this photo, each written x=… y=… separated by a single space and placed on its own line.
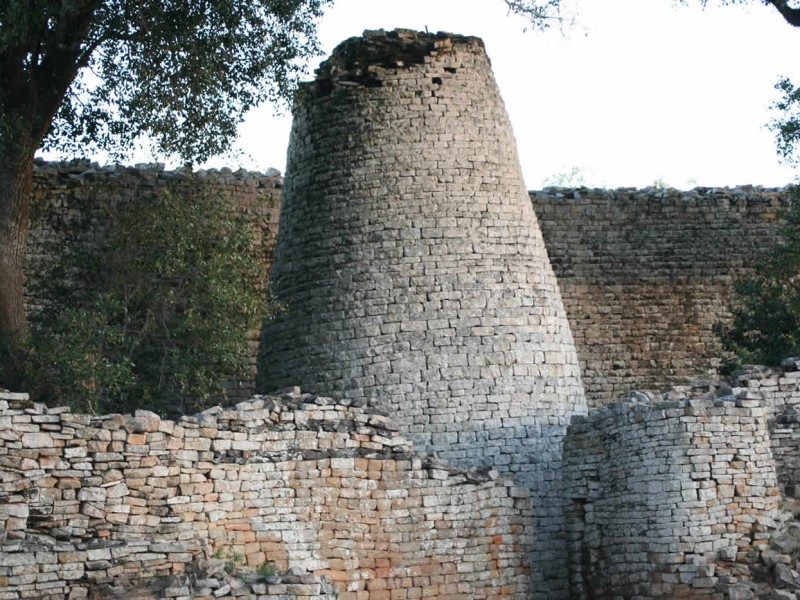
x=82 y=75
x=765 y=306
x=182 y=71
x=787 y=124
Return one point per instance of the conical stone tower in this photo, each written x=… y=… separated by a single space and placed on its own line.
x=410 y=271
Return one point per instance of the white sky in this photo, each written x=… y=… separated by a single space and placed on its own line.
x=639 y=91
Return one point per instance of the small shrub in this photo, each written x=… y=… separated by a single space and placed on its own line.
x=267 y=569
x=233 y=559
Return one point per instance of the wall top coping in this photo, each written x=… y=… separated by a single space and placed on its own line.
x=736 y=391
x=286 y=411
x=645 y=406
x=85 y=170
x=777 y=196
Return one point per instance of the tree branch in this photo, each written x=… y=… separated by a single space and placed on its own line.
x=541 y=13
x=63 y=53
x=791 y=15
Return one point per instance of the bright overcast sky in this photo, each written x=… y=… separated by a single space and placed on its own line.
x=637 y=92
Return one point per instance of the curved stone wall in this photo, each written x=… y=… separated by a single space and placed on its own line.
x=111 y=506
x=666 y=495
x=412 y=271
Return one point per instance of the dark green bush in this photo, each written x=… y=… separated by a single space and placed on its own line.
x=154 y=313
x=765 y=307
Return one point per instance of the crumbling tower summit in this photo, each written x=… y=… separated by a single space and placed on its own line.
x=410 y=270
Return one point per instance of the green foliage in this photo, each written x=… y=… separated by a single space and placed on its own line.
x=86 y=75
x=786 y=125
x=233 y=559
x=765 y=327
x=181 y=71
x=157 y=313
x=267 y=569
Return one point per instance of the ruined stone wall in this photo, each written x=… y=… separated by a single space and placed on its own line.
x=101 y=506
x=779 y=391
x=778 y=387
x=666 y=496
x=784 y=432
x=645 y=274
x=413 y=273
x=75 y=202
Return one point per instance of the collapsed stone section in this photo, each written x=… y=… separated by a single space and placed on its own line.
x=102 y=505
x=666 y=496
x=412 y=273
x=361 y=63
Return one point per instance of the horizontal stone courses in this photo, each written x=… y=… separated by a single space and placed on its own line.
x=303 y=481
x=87 y=171
x=665 y=484
x=645 y=274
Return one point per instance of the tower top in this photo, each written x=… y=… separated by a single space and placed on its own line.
x=358 y=60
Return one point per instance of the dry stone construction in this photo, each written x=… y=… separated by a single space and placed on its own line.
x=95 y=507
x=442 y=445
x=645 y=274
x=412 y=270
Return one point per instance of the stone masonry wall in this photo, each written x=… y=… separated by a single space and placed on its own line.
x=99 y=506
x=74 y=202
x=779 y=391
x=784 y=432
x=412 y=270
x=666 y=496
x=644 y=275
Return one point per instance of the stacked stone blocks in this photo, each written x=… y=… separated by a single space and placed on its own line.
x=413 y=273
x=666 y=495
x=415 y=279
x=779 y=390
x=645 y=275
x=98 y=504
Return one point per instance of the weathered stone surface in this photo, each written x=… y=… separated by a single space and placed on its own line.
x=438 y=319
x=305 y=481
x=645 y=274
x=646 y=481
x=413 y=272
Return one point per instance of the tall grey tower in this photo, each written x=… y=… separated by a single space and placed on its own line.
x=411 y=271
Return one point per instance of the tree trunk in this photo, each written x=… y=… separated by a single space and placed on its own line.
x=16 y=184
